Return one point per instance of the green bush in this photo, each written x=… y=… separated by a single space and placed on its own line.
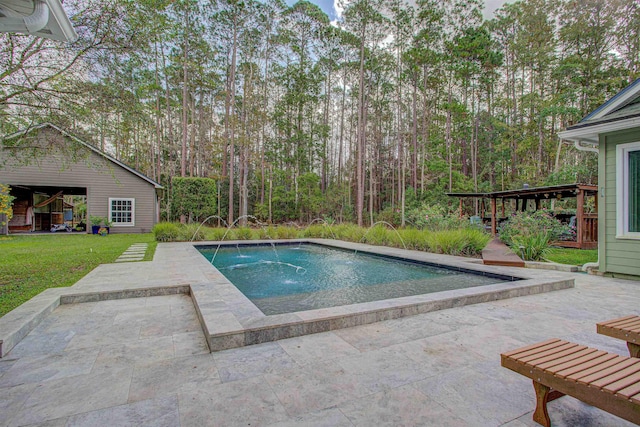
x=378 y=235
x=530 y=234
x=349 y=232
x=461 y=242
x=477 y=239
x=464 y=241
x=390 y=215
x=166 y=232
x=529 y=224
x=243 y=233
x=318 y=231
x=435 y=218
x=193 y=197
x=533 y=247
x=189 y=232
x=286 y=232
x=216 y=233
x=414 y=239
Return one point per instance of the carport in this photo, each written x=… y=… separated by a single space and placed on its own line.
x=38 y=208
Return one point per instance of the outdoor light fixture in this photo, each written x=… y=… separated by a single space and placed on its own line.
x=42 y=18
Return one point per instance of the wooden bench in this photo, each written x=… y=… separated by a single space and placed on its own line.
x=604 y=380
x=625 y=328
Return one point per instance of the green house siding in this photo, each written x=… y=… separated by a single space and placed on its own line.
x=615 y=255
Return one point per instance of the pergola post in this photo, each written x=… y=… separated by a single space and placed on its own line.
x=494 y=221
x=579 y=217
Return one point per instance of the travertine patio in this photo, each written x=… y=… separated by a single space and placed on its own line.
x=145 y=360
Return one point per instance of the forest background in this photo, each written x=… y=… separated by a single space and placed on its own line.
x=295 y=117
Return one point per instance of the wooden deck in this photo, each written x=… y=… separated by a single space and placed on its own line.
x=497 y=253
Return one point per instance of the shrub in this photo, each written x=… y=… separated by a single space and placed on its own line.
x=216 y=233
x=243 y=233
x=435 y=218
x=190 y=232
x=533 y=247
x=414 y=239
x=319 y=231
x=193 y=197
x=349 y=232
x=166 y=232
x=390 y=215
x=477 y=239
x=6 y=201
x=529 y=234
x=461 y=242
x=377 y=235
x=286 y=232
x=524 y=224
x=446 y=242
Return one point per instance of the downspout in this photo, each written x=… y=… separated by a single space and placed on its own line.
x=13 y=21
x=577 y=143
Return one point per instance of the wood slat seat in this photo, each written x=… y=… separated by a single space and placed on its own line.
x=626 y=328
x=557 y=368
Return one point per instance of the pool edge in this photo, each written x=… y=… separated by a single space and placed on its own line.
x=225 y=329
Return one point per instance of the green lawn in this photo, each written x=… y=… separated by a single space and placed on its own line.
x=31 y=264
x=572 y=256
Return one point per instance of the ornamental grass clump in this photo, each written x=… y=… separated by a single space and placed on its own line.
x=378 y=235
x=166 y=232
x=318 y=231
x=287 y=232
x=414 y=239
x=190 y=232
x=349 y=232
x=534 y=247
x=243 y=233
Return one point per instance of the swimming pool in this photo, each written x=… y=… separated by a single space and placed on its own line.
x=288 y=278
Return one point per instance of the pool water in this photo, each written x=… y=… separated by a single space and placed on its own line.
x=288 y=278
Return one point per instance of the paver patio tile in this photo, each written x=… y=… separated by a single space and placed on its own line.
x=245 y=402
x=74 y=395
x=317 y=347
x=570 y=412
x=372 y=336
x=314 y=387
x=37 y=369
x=133 y=352
x=331 y=417
x=251 y=361
x=377 y=371
x=169 y=376
x=160 y=412
x=189 y=344
x=42 y=343
x=402 y=406
x=12 y=399
x=464 y=391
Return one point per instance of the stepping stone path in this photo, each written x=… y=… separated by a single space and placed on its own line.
x=134 y=253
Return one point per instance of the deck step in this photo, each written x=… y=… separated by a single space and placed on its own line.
x=497 y=253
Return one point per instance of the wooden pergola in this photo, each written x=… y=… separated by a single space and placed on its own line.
x=586 y=223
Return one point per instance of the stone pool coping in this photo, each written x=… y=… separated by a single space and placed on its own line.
x=230 y=320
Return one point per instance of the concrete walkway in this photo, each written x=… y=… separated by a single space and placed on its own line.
x=144 y=361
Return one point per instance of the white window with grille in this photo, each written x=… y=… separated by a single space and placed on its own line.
x=628 y=191
x=122 y=212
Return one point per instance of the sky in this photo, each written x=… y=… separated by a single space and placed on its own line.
x=329 y=7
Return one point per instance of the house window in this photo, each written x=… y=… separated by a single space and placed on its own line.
x=628 y=190
x=122 y=211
